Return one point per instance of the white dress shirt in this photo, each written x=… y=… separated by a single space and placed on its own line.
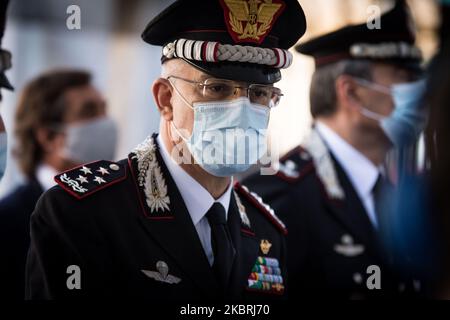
x=196 y=198
x=363 y=174
x=45 y=176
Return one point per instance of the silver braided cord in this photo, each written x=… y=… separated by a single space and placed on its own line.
x=190 y=49
x=249 y=54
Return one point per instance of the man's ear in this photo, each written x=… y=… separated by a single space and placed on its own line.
x=346 y=92
x=162 y=93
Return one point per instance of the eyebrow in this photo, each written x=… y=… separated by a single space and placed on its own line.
x=204 y=77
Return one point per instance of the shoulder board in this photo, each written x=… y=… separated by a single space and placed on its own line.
x=259 y=204
x=295 y=165
x=89 y=178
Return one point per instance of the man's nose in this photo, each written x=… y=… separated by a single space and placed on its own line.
x=240 y=92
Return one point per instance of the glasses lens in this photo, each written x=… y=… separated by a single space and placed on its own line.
x=222 y=89
x=218 y=89
x=264 y=95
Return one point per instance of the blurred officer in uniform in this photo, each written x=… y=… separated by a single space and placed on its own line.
x=168 y=223
x=436 y=195
x=5 y=64
x=60 y=123
x=326 y=190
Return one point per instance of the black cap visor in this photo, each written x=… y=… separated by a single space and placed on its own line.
x=4 y=82
x=245 y=72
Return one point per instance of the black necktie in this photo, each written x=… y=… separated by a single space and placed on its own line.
x=381 y=199
x=221 y=243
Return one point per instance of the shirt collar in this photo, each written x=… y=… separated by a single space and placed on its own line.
x=45 y=176
x=361 y=171
x=196 y=198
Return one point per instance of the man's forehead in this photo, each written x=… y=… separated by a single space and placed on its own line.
x=189 y=70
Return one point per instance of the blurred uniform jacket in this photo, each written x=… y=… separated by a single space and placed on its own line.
x=15 y=212
x=331 y=240
x=126 y=226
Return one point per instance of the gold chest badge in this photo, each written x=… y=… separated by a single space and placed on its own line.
x=265 y=246
x=251 y=20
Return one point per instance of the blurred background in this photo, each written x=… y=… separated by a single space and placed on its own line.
x=124 y=67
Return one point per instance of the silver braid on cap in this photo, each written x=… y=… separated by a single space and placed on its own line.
x=209 y=51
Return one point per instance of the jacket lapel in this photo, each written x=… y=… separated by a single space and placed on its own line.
x=339 y=195
x=167 y=219
x=351 y=212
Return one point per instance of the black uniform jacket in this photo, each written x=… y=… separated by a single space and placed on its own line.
x=121 y=229
x=333 y=248
x=15 y=212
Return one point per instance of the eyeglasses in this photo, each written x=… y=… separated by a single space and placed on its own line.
x=373 y=85
x=222 y=89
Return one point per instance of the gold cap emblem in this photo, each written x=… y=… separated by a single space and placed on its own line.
x=251 y=20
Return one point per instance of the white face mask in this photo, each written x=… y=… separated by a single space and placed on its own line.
x=91 y=140
x=228 y=137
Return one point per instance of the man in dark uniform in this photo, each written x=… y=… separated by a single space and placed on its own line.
x=167 y=223
x=327 y=190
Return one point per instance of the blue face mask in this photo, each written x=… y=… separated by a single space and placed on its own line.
x=409 y=117
x=3 y=153
x=228 y=136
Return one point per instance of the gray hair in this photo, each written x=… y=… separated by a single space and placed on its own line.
x=322 y=93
